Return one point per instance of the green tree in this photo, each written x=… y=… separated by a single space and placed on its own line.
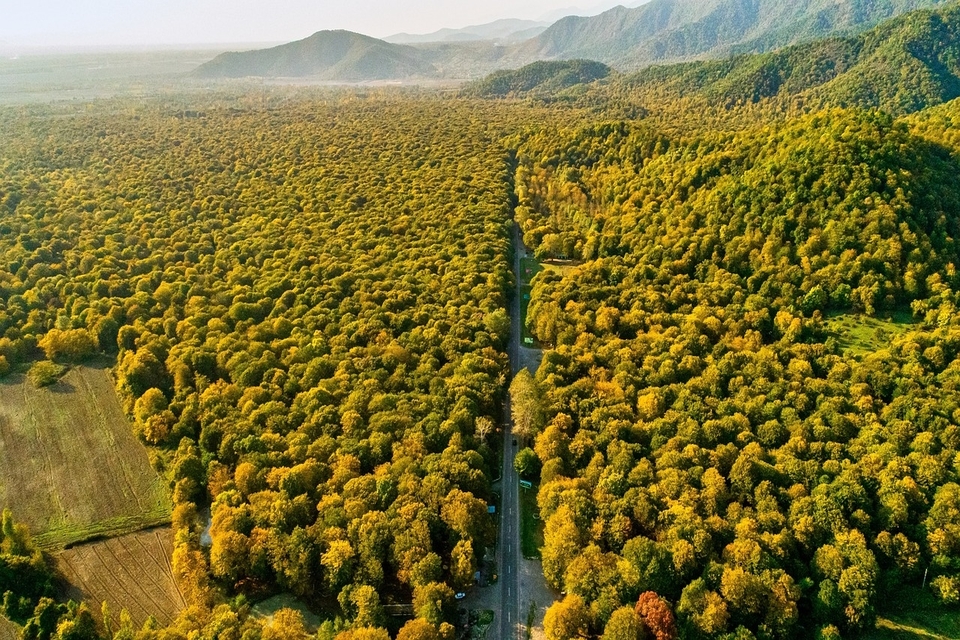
x=526 y=405
x=526 y=463
x=567 y=619
x=624 y=624
x=433 y=602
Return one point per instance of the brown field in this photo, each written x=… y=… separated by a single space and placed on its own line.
x=131 y=572
x=70 y=466
x=8 y=630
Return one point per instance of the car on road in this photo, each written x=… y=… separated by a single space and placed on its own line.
x=460 y=595
x=514 y=442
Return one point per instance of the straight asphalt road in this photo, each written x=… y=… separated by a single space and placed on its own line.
x=510 y=623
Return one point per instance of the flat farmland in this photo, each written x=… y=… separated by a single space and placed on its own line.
x=129 y=572
x=70 y=466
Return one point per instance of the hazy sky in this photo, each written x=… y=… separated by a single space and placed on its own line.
x=143 y=22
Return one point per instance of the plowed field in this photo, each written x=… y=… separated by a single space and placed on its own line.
x=130 y=572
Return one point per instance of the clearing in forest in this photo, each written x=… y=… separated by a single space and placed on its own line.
x=863 y=335
x=265 y=610
x=70 y=466
x=131 y=572
x=915 y=613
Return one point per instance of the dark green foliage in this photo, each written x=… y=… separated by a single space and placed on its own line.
x=671 y=30
x=527 y=464
x=538 y=79
x=25 y=578
x=903 y=65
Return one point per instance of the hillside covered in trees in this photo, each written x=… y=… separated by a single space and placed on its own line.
x=663 y=31
x=900 y=66
x=705 y=435
x=657 y=32
x=540 y=79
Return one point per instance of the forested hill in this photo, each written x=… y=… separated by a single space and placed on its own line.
x=675 y=30
x=711 y=431
x=538 y=78
x=901 y=66
x=326 y=55
x=660 y=31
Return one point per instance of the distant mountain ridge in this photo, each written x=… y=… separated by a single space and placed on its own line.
x=903 y=65
x=326 y=55
x=507 y=30
x=678 y=30
x=660 y=31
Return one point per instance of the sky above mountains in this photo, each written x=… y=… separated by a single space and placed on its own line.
x=156 y=22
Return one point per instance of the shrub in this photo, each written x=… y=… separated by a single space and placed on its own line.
x=45 y=373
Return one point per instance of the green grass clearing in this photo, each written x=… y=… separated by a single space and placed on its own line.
x=526 y=338
x=264 y=611
x=863 y=335
x=480 y=622
x=531 y=527
x=72 y=470
x=529 y=267
x=915 y=615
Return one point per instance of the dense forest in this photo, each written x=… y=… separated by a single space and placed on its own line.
x=541 y=79
x=704 y=435
x=307 y=305
x=305 y=296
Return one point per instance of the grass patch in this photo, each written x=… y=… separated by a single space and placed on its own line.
x=863 y=335
x=915 y=614
x=264 y=611
x=71 y=534
x=480 y=621
x=562 y=269
x=529 y=267
x=531 y=527
x=526 y=338
x=70 y=466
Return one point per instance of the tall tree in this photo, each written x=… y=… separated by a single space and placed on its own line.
x=526 y=405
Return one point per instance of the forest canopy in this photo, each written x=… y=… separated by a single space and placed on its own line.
x=746 y=422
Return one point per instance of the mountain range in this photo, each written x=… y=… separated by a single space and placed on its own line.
x=678 y=30
x=507 y=30
x=902 y=65
x=627 y=39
